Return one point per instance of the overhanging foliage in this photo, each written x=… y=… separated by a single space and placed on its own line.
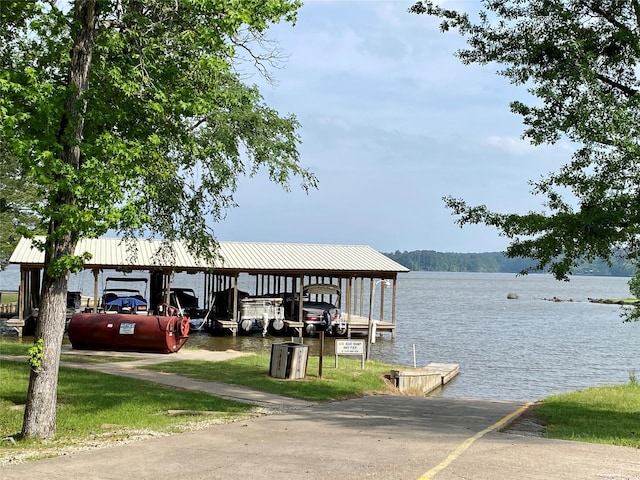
x=580 y=60
x=131 y=116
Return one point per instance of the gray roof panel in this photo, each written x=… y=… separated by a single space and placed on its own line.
x=108 y=253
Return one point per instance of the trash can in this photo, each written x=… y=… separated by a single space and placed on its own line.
x=288 y=360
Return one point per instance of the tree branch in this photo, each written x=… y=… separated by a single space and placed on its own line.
x=260 y=61
x=628 y=91
x=614 y=21
x=636 y=9
x=54 y=7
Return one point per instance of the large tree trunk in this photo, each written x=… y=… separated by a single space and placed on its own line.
x=40 y=410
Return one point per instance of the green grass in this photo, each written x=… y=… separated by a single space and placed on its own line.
x=17 y=347
x=349 y=380
x=91 y=403
x=20 y=348
x=609 y=415
x=9 y=297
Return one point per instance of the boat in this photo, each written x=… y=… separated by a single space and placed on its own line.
x=74 y=304
x=261 y=314
x=117 y=299
x=320 y=309
x=187 y=303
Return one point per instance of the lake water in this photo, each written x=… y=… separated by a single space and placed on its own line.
x=507 y=349
x=520 y=349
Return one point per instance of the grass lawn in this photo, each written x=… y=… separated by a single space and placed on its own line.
x=110 y=403
x=18 y=347
x=597 y=415
x=349 y=380
x=94 y=407
x=9 y=297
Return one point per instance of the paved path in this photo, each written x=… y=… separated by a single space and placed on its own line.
x=231 y=392
x=379 y=437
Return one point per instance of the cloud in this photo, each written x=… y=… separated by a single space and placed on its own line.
x=512 y=145
x=391 y=123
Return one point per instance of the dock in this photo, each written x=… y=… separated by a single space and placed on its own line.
x=357 y=325
x=426 y=379
x=16 y=324
x=221 y=324
x=8 y=309
x=297 y=327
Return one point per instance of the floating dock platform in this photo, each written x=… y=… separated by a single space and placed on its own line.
x=426 y=379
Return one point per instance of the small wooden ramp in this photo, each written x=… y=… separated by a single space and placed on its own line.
x=16 y=324
x=426 y=379
x=230 y=325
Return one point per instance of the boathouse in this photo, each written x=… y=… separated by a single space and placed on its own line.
x=362 y=273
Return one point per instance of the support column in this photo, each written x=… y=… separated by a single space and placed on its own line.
x=96 y=274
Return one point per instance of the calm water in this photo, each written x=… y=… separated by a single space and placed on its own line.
x=520 y=349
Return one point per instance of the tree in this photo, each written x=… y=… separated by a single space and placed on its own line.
x=580 y=59
x=133 y=116
x=17 y=195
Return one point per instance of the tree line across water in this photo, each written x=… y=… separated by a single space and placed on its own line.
x=496 y=262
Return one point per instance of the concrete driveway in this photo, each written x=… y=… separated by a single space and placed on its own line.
x=379 y=437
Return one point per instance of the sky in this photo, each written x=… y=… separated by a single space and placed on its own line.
x=391 y=122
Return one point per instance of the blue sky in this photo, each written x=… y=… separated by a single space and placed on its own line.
x=391 y=123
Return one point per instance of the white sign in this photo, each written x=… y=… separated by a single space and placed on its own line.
x=349 y=347
x=127 y=328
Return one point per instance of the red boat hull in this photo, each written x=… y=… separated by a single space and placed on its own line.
x=125 y=332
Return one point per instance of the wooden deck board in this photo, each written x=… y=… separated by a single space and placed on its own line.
x=227 y=325
x=296 y=326
x=360 y=325
x=16 y=324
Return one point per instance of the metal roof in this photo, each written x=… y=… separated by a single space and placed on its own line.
x=115 y=253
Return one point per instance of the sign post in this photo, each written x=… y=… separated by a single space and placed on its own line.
x=321 y=354
x=350 y=347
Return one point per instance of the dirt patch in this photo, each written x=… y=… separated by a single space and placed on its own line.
x=527 y=424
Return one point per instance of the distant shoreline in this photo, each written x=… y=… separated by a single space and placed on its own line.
x=498 y=262
x=615 y=301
